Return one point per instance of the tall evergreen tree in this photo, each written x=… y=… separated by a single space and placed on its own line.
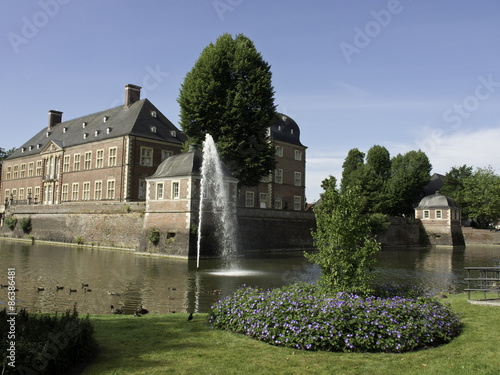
x=228 y=93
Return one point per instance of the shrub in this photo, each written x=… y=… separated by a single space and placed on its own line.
x=47 y=344
x=11 y=222
x=25 y=224
x=79 y=240
x=154 y=236
x=301 y=317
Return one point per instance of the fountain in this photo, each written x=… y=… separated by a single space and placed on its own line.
x=215 y=198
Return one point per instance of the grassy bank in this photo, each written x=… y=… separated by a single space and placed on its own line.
x=169 y=344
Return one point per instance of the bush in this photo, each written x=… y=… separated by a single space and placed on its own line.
x=11 y=222
x=47 y=344
x=154 y=236
x=79 y=240
x=300 y=316
x=25 y=224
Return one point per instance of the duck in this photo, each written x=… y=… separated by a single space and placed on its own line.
x=72 y=290
x=116 y=311
x=59 y=287
x=141 y=310
x=84 y=285
x=87 y=290
x=40 y=289
x=113 y=294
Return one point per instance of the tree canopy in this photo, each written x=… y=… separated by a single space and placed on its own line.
x=4 y=153
x=346 y=247
x=228 y=93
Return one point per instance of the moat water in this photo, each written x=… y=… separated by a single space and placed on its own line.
x=164 y=285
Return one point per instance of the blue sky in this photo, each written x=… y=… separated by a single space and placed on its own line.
x=404 y=74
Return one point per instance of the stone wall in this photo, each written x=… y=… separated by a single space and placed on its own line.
x=481 y=236
x=403 y=232
x=112 y=225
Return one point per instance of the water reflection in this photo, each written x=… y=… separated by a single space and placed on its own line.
x=163 y=285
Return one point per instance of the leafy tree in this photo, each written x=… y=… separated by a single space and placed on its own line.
x=352 y=168
x=454 y=186
x=379 y=159
x=228 y=93
x=409 y=173
x=346 y=247
x=4 y=154
x=481 y=195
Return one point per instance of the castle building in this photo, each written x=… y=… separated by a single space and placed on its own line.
x=104 y=156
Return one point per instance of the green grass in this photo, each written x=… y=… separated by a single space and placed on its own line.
x=168 y=344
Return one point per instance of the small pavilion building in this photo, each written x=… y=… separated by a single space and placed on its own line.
x=441 y=219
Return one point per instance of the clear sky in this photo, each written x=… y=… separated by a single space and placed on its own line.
x=405 y=74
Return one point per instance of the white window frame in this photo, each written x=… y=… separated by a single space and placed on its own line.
x=176 y=189
x=146 y=156
x=64 y=192
x=99 y=159
x=75 y=191
x=297 y=203
x=278 y=176
x=142 y=189
x=23 y=171
x=98 y=190
x=427 y=214
x=249 y=199
x=279 y=151
x=298 y=155
x=263 y=200
x=160 y=190
x=112 y=157
x=76 y=162
x=110 y=191
x=88 y=160
x=297 y=179
x=439 y=214
x=31 y=166
x=66 y=162
x=86 y=191
x=278 y=202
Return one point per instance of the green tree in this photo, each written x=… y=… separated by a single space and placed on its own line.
x=346 y=247
x=228 y=93
x=481 y=195
x=409 y=173
x=454 y=186
x=352 y=169
x=4 y=154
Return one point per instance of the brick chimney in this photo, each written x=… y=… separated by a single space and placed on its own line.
x=132 y=94
x=55 y=117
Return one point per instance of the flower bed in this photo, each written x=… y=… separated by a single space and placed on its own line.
x=301 y=317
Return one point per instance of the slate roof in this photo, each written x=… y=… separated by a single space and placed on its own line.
x=437 y=201
x=134 y=120
x=184 y=164
x=285 y=129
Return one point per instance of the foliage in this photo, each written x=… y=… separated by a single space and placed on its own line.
x=79 y=240
x=228 y=93
x=300 y=316
x=378 y=223
x=352 y=169
x=154 y=236
x=4 y=153
x=47 y=344
x=409 y=173
x=454 y=186
x=25 y=224
x=11 y=222
x=481 y=196
x=346 y=247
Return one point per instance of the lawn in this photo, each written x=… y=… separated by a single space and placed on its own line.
x=169 y=344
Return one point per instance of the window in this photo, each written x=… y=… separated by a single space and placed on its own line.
x=86 y=191
x=9 y=173
x=298 y=155
x=111 y=189
x=263 y=200
x=88 y=160
x=99 y=159
x=21 y=194
x=438 y=214
x=30 y=169
x=23 y=170
x=297 y=203
x=29 y=193
x=112 y=157
x=16 y=171
x=75 y=191
x=297 y=180
x=277 y=202
x=76 y=162
x=98 y=190
x=14 y=194
x=175 y=190
x=36 y=197
x=66 y=164
x=147 y=156
x=249 y=199
x=7 y=193
x=64 y=192
x=166 y=154
x=278 y=176
x=142 y=189
x=38 y=171
x=159 y=191
x=279 y=151
x=426 y=214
